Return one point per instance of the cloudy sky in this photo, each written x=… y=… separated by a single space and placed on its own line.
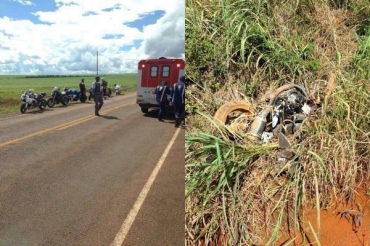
x=63 y=36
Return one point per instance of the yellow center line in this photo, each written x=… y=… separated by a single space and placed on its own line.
x=61 y=126
x=91 y=117
x=76 y=123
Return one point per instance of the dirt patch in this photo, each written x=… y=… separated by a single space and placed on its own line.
x=341 y=225
x=6 y=102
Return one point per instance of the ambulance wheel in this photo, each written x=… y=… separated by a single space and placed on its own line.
x=145 y=110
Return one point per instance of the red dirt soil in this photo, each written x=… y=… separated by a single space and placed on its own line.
x=338 y=225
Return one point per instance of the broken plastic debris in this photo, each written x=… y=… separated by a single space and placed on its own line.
x=266 y=136
x=283 y=141
x=275 y=120
x=306 y=109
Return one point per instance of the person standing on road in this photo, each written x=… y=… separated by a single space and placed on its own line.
x=161 y=92
x=97 y=91
x=82 y=86
x=105 y=86
x=178 y=100
x=83 y=96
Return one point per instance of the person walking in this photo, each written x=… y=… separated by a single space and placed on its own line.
x=97 y=91
x=178 y=100
x=161 y=92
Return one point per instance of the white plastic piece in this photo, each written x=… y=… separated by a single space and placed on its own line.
x=306 y=109
x=275 y=120
x=266 y=136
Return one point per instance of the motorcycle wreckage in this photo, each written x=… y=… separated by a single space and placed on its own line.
x=281 y=116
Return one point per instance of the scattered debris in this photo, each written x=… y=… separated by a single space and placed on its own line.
x=352 y=216
x=266 y=136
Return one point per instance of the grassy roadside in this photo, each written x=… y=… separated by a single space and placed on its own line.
x=238 y=50
x=11 y=86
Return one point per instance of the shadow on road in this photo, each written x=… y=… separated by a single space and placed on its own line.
x=109 y=117
x=37 y=111
x=73 y=103
x=169 y=117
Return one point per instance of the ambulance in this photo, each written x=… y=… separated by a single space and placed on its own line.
x=150 y=73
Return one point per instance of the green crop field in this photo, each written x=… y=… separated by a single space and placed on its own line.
x=12 y=85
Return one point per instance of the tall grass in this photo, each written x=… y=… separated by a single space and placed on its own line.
x=236 y=194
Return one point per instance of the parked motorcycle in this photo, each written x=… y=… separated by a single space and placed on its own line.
x=109 y=93
x=118 y=89
x=31 y=100
x=56 y=98
x=74 y=95
x=91 y=94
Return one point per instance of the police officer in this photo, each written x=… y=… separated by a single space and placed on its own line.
x=83 y=96
x=82 y=86
x=161 y=93
x=178 y=99
x=97 y=90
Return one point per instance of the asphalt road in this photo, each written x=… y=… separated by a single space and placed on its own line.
x=71 y=178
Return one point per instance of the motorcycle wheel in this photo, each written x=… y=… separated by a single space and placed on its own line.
x=63 y=101
x=50 y=102
x=23 y=108
x=42 y=104
x=234 y=115
x=83 y=98
x=66 y=100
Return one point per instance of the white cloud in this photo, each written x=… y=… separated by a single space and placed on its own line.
x=171 y=31
x=23 y=2
x=69 y=38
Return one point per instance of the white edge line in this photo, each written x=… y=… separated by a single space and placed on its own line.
x=121 y=235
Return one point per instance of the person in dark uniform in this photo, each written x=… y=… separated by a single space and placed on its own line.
x=82 y=86
x=97 y=90
x=178 y=100
x=161 y=93
x=83 y=90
